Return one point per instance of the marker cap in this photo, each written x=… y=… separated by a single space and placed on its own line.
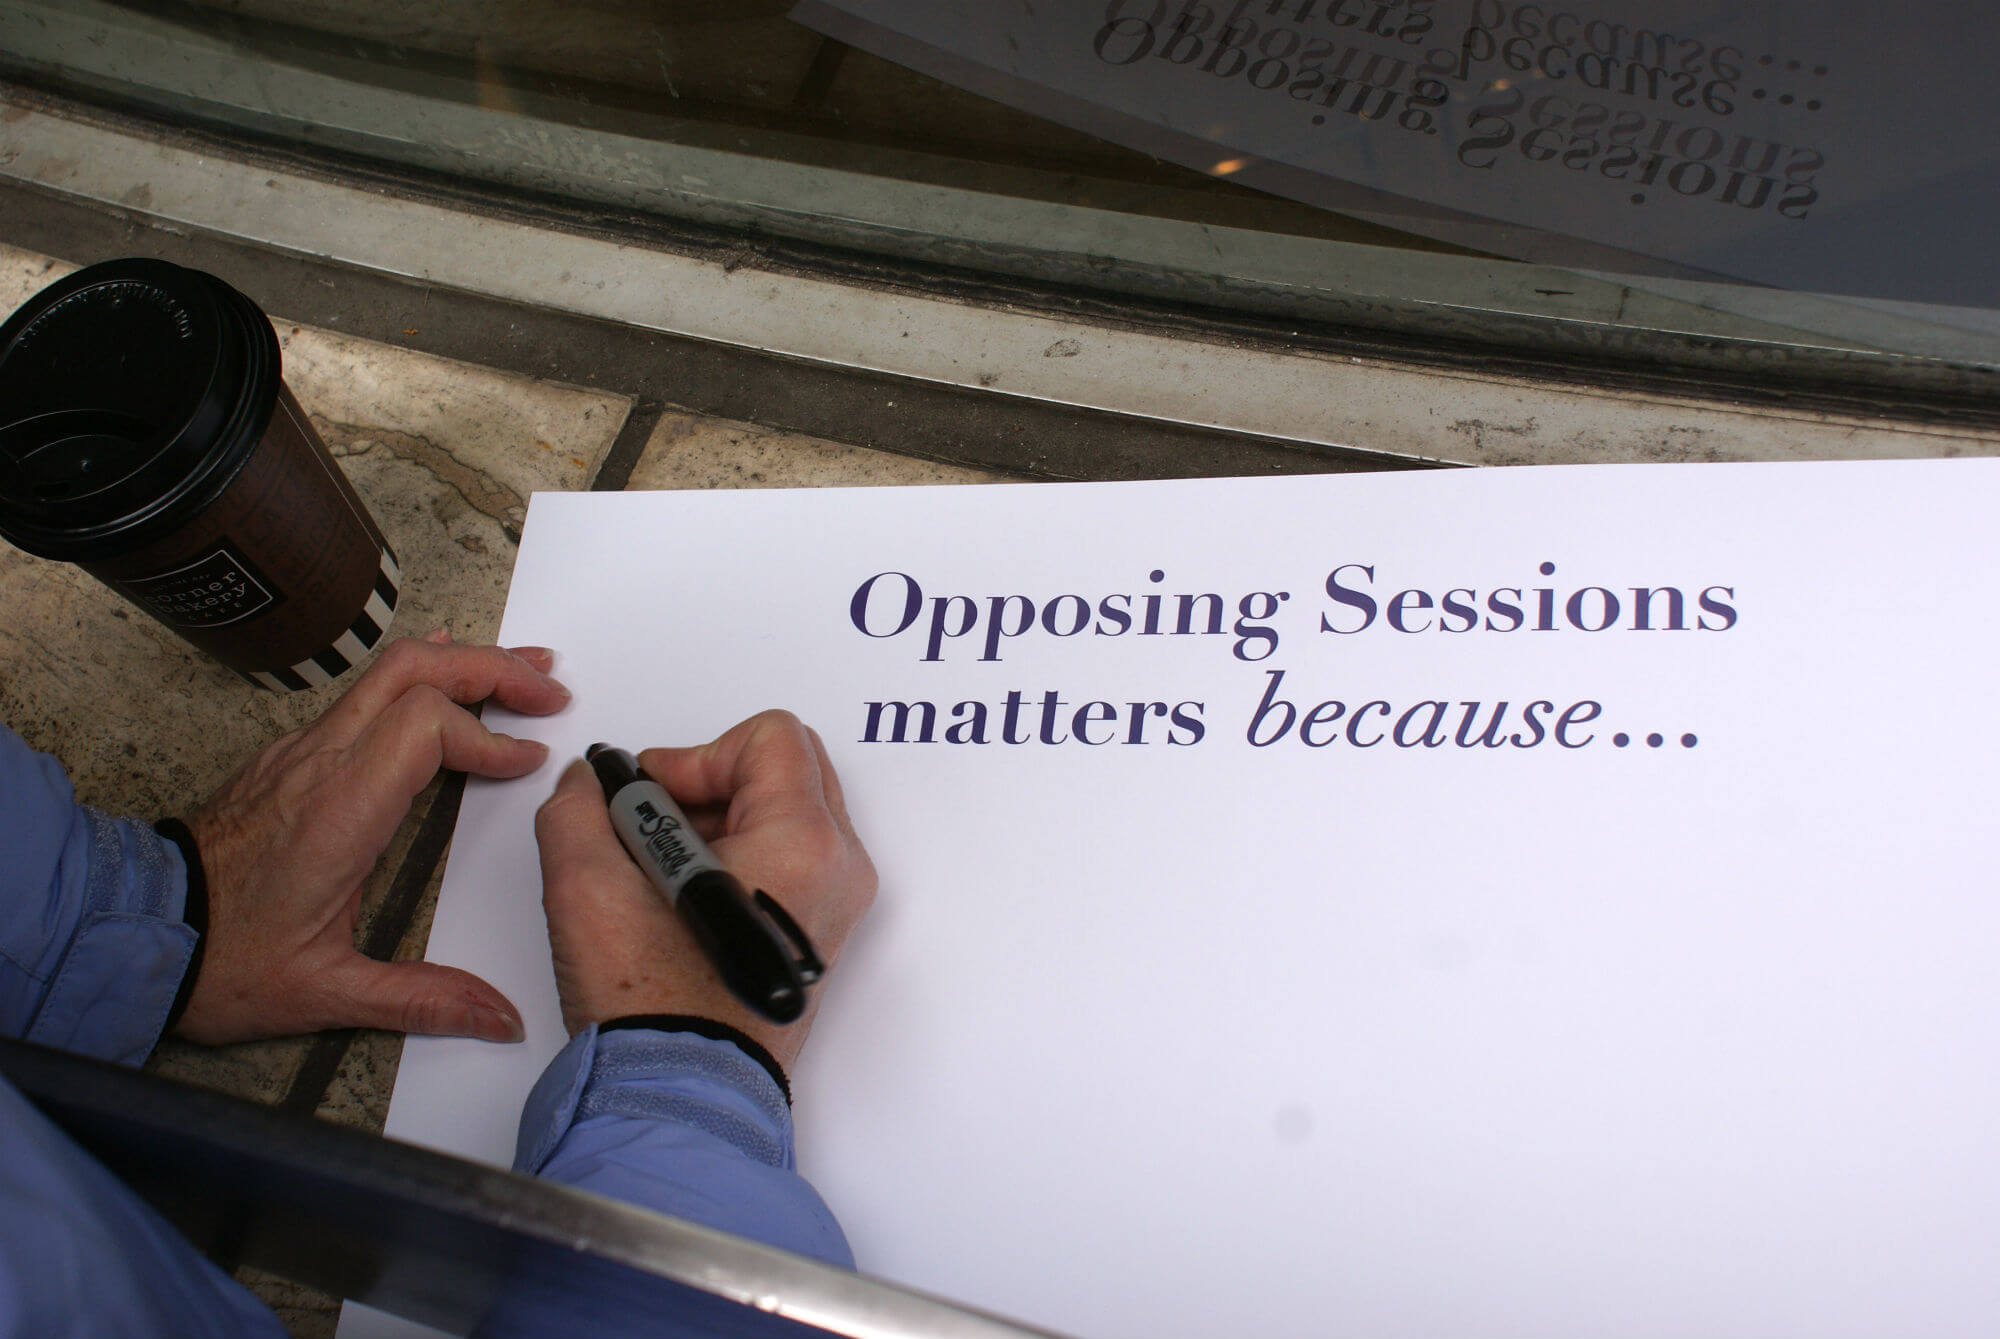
x=615 y=767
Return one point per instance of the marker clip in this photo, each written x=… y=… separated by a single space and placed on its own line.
x=808 y=963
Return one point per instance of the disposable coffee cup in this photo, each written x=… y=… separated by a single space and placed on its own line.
x=147 y=435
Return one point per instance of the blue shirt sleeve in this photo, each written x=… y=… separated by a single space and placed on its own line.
x=681 y=1124
x=92 y=952
x=92 y=947
x=82 y=1255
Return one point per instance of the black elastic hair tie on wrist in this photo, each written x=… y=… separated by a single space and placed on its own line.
x=194 y=913
x=709 y=1028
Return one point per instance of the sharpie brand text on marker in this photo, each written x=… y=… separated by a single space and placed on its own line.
x=757 y=949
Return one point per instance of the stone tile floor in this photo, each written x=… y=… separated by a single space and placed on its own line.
x=445 y=454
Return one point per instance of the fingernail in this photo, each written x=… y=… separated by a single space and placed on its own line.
x=541 y=657
x=535 y=744
x=441 y=634
x=490 y=1024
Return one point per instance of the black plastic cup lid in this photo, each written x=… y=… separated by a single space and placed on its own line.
x=131 y=393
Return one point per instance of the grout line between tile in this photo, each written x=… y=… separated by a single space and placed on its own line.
x=827 y=59
x=628 y=446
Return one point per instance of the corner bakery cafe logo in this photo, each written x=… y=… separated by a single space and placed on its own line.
x=215 y=589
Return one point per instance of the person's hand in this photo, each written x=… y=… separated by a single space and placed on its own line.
x=288 y=842
x=766 y=800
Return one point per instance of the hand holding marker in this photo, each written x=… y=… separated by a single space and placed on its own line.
x=743 y=935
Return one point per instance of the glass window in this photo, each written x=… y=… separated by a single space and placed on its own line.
x=1482 y=193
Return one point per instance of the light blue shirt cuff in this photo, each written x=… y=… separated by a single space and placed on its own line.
x=674 y=1076
x=681 y=1124
x=110 y=995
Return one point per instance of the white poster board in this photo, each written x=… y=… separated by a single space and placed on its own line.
x=1166 y=1026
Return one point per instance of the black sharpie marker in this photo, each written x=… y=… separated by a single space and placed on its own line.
x=743 y=935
